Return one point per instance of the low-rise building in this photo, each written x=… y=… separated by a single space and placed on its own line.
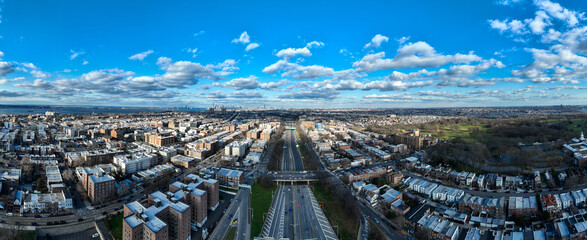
x=183 y=161
x=522 y=206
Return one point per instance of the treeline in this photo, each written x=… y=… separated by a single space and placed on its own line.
x=310 y=162
x=277 y=145
x=342 y=197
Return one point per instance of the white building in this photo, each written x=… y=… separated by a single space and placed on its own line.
x=132 y=163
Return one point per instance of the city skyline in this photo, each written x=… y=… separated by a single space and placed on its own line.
x=288 y=54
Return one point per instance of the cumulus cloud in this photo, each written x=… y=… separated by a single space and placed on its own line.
x=555 y=10
x=292 y=52
x=5 y=68
x=237 y=95
x=412 y=55
x=310 y=94
x=514 y=26
x=251 y=46
x=314 y=44
x=273 y=85
x=243 y=38
x=141 y=56
x=249 y=82
x=9 y=94
x=376 y=41
x=182 y=74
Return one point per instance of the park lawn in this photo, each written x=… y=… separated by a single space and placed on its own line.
x=464 y=131
x=231 y=234
x=23 y=235
x=115 y=226
x=347 y=228
x=260 y=203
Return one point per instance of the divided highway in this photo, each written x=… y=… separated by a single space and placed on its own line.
x=295 y=213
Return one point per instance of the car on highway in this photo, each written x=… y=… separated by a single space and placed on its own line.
x=95 y=235
x=34 y=224
x=9 y=214
x=80 y=219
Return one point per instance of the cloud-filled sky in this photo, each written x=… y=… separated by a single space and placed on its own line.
x=321 y=54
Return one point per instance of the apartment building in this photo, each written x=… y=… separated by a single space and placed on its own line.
x=183 y=161
x=164 y=218
x=522 y=206
x=229 y=177
x=159 y=139
x=134 y=162
x=101 y=187
x=493 y=207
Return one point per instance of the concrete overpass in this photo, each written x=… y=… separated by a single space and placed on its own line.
x=294 y=177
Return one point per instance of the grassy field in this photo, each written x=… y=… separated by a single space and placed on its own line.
x=231 y=234
x=115 y=226
x=464 y=131
x=347 y=228
x=260 y=203
x=22 y=235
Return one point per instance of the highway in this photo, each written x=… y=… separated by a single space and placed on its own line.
x=294 y=212
x=232 y=213
x=384 y=225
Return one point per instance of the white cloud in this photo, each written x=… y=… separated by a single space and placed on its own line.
x=244 y=38
x=314 y=44
x=193 y=52
x=75 y=54
x=85 y=62
x=376 y=41
x=557 y=11
x=5 y=68
x=515 y=26
x=249 y=82
x=200 y=33
x=508 y=2
x=291 y=52
x=40 y=74
x=413 y=55
x=538 y=24
x=141 y=56
x=251 y=46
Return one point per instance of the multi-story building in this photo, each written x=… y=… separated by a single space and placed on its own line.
x=164 y=218
x=199 y=193
x=101 y=187
x=229 y=177
x=98 y=156
x=60 y=202
x=494 y=207
x=210 y=185
x=159 y=139
x=132 y=163
x=183 y=161
x=550 y=203
x=364 y=174
x=522 y=206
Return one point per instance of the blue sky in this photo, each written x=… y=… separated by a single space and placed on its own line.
x=327 y=54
